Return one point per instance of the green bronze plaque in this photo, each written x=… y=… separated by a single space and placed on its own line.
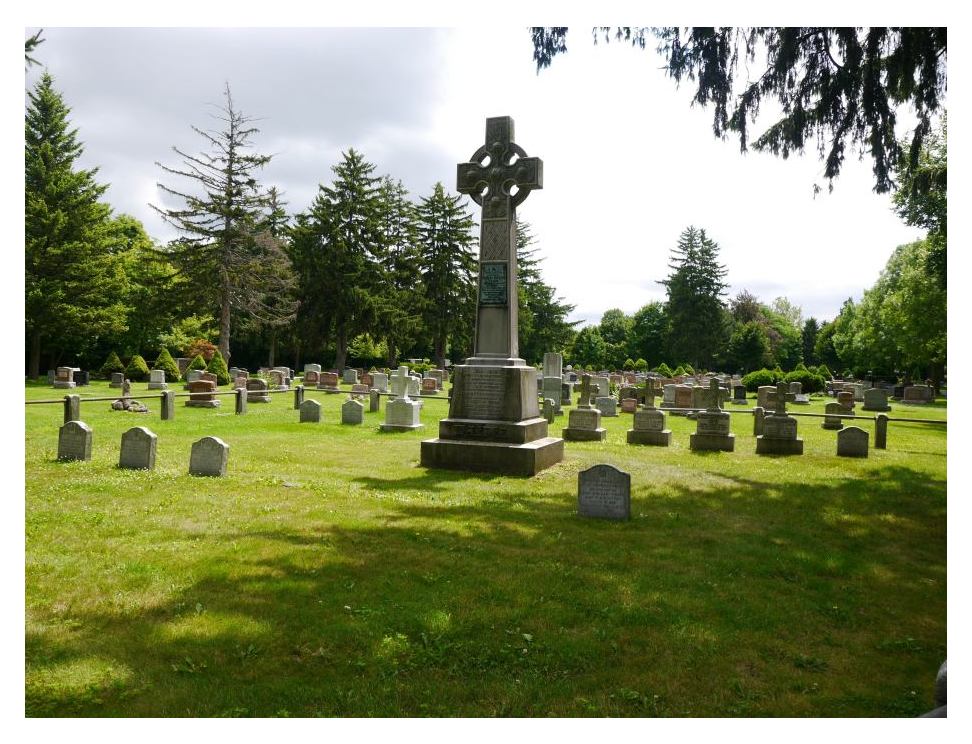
x=492 y=283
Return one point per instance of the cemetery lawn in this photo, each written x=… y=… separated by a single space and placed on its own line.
x=329 y=575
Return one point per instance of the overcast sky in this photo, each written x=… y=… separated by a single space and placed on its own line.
x=628 y=163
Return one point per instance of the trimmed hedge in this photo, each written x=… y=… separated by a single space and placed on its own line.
x=197 y=363
x=137 y=370
x=664 y=370
x=112 y=364
x=167 y=363
x=811 y=383
x=217 y=366
x=760 y=377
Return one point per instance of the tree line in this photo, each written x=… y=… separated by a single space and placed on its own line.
x=365 y=274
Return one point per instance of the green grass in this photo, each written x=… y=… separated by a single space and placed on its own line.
x=329 y=575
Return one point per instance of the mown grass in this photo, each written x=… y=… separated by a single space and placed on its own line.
x=329 y=575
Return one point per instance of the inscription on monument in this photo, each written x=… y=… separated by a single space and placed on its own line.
x=492 y=283
x=483 y=392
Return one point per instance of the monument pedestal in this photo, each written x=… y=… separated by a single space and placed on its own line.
x=649 y=428
x=779 y=437
x=583 y=425
x=494 y=424
x=712 y=432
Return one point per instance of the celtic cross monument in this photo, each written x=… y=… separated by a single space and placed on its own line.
x=494 y=422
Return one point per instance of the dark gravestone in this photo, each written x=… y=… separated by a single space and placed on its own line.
x=82 y=378
x=72 y=408
x=604 y=492
x=298 y=396
x=168 y=405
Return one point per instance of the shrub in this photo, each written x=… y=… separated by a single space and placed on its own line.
x=800 y=368
x=197 y=363
x=201 y=346
x=640 y=365
x=112 y=364
x=628 y=365
x=811 y=383
x=848 y=374
x=167 y=363
x=217 y=366
x=688 y=368
x=664 y=370
x=824 y=372
x=137 y=370
x=760 y=377
x=679 y=370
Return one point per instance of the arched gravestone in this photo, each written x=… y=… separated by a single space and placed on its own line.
x=494 y=422
x=852 y=442
x=352 y=411
x=310 y=412
x=209 y=456
x=74 y=441
x=604 y=492
x=138 y=446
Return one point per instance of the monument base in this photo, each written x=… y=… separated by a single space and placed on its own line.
x=528 y=458
x=656 y=438
x=712 y=442
x=60 y=385
x=832 y=427
x=158 y=386
x=258 y=399
x=203 y=403
x=584 y=435
x=773 y=446
x=329 y=389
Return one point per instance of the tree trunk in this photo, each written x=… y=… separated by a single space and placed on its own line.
x=33 y=370
x=297 y=354
x=341 y=357
x=273 y=348
x=224 y=319
x=440 y=344
x=392 y=356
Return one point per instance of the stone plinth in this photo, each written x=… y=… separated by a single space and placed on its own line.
x=712 y=432
x=202 y=394
x=779 y=436
x=584 y=425
x=493 y=408
x=402 y=414
x=329 y=382
x=649 y=428
x=876 y=399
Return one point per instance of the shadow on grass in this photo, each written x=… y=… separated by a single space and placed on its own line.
x=753 y=598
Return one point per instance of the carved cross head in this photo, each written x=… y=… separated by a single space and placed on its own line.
x=498 y=167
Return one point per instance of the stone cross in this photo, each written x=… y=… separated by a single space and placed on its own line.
x=585 y=395
x=781 y=390
x=494 y=171
x=714 y=393
x=649 y=394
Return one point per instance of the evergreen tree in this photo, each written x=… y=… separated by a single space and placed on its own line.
x=447 y=270
x=695 y=308
x=223 y=252
x=542 y=319
x=399 y=317
x=112 y=364
x=137 y=370
x=749 y=347
x=337 y=249
x=217 y=366
x=165 y=362
x=74 y=285
x=811 y=327
x=589 y=348
x=649 y=333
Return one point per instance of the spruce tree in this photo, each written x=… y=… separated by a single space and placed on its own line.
x=695 y=308
x=73 y=285
x=447 y=267
x=222 y=251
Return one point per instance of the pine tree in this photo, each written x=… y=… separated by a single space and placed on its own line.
x=337 y=247
x=695 y=307
x=217 y=366
x=73 y=282
x=400 y=301
x=223 y=251
x=447 y=267
x=542 y=320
